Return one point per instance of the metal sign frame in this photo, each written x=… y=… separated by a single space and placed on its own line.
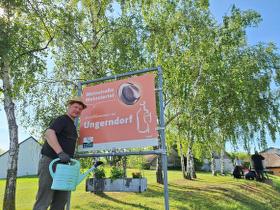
x=161 y=151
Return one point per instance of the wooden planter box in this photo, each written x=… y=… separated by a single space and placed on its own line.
x=117 y=185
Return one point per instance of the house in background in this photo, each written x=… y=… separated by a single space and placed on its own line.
x=272 y=160
x=173 y=160
x=151 y=161
x=28 y=158
x=228 y=164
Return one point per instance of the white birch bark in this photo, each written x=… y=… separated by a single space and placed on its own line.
x=9 y=107
x=213 y=164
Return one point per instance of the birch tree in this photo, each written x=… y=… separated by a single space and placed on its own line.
x=23 y=39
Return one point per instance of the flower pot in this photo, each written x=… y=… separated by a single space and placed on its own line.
x=116 y=185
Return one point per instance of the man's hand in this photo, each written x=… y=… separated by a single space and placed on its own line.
x=64 y=157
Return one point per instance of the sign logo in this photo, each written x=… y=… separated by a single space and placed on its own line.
x=88 y=142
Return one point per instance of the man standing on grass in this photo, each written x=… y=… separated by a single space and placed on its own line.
x=258 y=165
x=60 y=143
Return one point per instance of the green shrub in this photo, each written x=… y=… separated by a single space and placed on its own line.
x=138 y=161
x=99 y=173
x=86 y=163
x=116 y=173
x=145 y=166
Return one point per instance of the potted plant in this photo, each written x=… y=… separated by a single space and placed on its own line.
x=116 y=182
x=98 y=180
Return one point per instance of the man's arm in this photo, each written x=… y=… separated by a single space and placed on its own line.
x=51 y=138
x=53 y=142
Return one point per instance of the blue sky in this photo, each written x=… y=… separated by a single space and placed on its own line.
x=267 y=31
x=269 y=28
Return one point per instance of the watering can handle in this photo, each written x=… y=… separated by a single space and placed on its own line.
x=56 y=160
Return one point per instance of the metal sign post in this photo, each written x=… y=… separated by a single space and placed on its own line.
x=76 y=122
x=162 y=138
x=161 y=151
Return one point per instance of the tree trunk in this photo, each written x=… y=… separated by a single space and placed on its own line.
x=9 y=106
x=159 y=170
x=190 y=174
x=124 y=162
x=222 y=159
x=193 y=174
x=183 y=162
x=213 y=164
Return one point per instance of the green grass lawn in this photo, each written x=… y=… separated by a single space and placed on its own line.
x=206 y=192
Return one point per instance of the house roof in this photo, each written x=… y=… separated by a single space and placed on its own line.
x=271 y=150
x=29 y=138
x=272 y=160
x=150 y=158
x=172 y=153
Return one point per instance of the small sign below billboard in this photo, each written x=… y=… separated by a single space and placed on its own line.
x=119 y=114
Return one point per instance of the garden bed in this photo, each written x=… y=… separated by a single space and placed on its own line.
x=116 y=185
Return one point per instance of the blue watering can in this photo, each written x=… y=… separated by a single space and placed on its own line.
x=67 y=176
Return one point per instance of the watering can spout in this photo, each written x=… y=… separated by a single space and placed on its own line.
x=83 y=176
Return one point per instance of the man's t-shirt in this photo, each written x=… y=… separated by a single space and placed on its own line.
x=66 y=133
x=257 y=161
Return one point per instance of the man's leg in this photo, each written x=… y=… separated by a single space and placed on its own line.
x=59 y=200
x=261 y=175
x=258 y=175
x=44 y=194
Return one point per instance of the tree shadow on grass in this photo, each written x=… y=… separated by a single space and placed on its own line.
x=139 y=206
x=272 y=201
x=213 y=197
x=95 y=206
x=231 y=195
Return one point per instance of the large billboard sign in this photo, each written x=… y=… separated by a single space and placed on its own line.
x=119 y=114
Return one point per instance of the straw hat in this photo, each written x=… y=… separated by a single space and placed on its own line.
x=77 y=99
